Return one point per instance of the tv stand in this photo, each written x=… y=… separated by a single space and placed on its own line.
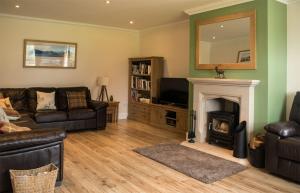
x=158 y=115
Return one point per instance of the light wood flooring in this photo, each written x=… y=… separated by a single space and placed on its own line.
x=103 y=161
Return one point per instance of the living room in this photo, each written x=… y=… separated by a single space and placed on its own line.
x=109 y=39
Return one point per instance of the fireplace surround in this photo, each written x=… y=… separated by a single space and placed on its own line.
x=239 y=91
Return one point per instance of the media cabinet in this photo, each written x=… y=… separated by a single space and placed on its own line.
x=162 y=116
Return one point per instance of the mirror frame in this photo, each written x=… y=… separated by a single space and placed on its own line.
x=252 y=39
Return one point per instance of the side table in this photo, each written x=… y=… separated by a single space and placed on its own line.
x=112 y=112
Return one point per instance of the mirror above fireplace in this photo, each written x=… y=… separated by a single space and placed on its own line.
x=227 y=42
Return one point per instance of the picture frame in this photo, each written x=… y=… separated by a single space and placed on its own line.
x=49 y=54
x=244 y=56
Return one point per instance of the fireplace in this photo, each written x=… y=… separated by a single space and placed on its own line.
x=221 y=128
x=235 y=90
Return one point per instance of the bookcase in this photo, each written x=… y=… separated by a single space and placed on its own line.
x=144 y=77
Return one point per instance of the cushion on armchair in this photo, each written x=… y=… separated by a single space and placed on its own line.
x=283 y=129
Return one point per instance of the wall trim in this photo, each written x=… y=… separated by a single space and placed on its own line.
x=165 y=25
x=123 y=116
x=287 y=1
x=66 y=22
x=215 y=5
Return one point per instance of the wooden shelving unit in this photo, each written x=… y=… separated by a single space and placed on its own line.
x=144 y=76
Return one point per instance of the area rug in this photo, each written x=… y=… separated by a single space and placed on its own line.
x=196 y=164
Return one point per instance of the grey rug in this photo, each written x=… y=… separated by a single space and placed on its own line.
x=196 y=164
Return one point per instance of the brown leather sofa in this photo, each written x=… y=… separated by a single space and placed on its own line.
x=282 y=145
x=30 y=149
x=44 y=144
x=25 y=101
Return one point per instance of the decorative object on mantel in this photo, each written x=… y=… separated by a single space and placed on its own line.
x=191 y=133
x=103 y=82
x=194 y=163
x=220 y=73
x=49 y=54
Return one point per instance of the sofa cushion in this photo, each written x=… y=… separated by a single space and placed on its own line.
x=62 y=101
x=289 y=148
x=45 y=101
x=79 y=114
x=17 y=96
x=50 y=116
x=76 y=100
x=32 y=96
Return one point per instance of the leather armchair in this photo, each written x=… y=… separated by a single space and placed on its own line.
x=282 y=145
x=31 y=149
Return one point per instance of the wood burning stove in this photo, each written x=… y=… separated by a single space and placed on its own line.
x=221 y=126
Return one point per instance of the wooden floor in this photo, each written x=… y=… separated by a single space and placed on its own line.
x=103 y=161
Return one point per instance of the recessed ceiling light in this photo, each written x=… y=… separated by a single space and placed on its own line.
x=221 y=26
x=131 y=22
x=17 y=6
x=107 y=2
x=214 y=37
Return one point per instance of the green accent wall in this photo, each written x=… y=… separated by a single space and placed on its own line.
x=277 y=63
x=270 y=57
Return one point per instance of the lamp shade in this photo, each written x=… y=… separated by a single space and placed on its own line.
x=102 y=81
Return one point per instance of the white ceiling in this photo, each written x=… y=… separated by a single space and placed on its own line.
x=144 y=13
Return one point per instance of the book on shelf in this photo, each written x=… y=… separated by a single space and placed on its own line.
x=140 y=83
x=141 y=69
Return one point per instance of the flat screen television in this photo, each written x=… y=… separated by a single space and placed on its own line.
x=174 y=91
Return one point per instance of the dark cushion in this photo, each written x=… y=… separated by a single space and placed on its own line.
x=79 y=114
x=283 y=129
x=76 y=100
x=62 y=101
x=50 y=116
x=32 y=97
x=17 y=97
x=289 y=148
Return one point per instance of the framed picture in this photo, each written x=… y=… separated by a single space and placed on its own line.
x=244 y=56
x=49 y=54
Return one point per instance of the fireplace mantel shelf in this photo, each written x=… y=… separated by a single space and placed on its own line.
x=229 y=82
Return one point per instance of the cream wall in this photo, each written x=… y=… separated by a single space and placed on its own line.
x=170 y=41
x=101 y=51
x=293 y=39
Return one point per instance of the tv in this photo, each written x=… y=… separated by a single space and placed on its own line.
x=174 y=91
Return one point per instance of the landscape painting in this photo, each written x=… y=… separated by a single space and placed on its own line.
x=49 y=54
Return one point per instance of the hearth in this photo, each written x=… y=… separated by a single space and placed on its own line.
x=221 y=126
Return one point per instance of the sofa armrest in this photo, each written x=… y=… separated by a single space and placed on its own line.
x=19 y=140
x=96 y=105
x=283 y=129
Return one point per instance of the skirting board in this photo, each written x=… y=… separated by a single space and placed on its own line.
x=123 y=115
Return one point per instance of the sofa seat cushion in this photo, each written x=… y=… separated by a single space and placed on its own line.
x=79 y=114
x=50 y=116
x=289 y=148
